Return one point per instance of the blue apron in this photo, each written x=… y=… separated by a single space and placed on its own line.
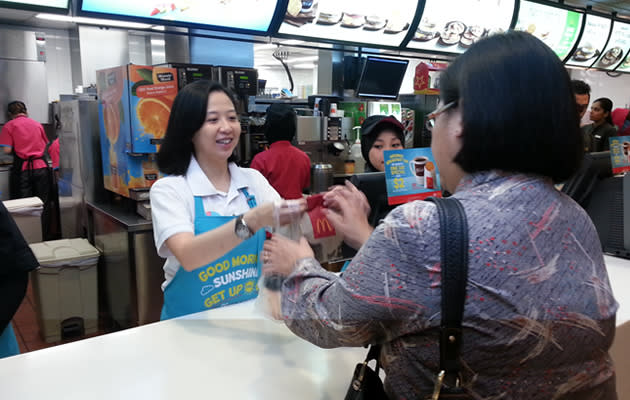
x=230 y=279
x=8 y=343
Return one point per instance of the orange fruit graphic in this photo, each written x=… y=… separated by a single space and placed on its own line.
x=111 y=117
x=153 y=116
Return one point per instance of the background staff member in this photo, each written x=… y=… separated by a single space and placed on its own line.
x=26 y=140
x=596 y=135
x=208 y=214
x=287 y=168
x=582 y=93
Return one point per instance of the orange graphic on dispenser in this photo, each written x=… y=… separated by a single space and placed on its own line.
x=153 y=115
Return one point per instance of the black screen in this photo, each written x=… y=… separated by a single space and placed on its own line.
x=381 y=77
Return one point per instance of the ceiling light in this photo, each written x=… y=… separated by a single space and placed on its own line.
x=158 y=28
x=158 y=42
x=304 y=66
x=93 y=21
x=268 y=46
x=292 y=42
x=303 y=59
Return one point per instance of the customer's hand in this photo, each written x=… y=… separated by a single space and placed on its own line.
x=280 y=254
x=348 y=209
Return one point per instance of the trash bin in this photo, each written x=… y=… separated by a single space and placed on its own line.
x=65 y=288
x=27 y=214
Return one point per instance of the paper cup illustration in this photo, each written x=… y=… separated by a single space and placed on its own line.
x=417 y=166
x=626 y=151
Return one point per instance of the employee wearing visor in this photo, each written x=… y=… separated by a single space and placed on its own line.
x=209 y=214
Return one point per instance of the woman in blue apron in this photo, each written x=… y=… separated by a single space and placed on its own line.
x=209 y=214
x=17 y=261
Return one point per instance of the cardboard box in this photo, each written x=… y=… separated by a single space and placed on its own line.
x=65 y=288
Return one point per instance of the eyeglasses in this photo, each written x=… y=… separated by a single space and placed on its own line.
x=430 y=124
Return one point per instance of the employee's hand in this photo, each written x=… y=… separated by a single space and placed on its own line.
x=347 y=209
x=278 y=213
x=280 y=254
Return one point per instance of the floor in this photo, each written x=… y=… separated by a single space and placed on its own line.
x=27 y=329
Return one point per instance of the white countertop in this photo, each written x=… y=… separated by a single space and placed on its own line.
x=230 y=352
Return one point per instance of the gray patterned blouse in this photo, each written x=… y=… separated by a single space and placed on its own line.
x=539 y=315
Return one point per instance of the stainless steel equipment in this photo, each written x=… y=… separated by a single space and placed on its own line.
x=23 y=73
x=80 y=165
x=309 y=129
x=322 y=177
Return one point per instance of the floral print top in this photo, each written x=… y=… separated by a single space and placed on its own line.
x=539 y=315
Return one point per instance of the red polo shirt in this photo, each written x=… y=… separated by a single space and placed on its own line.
x=27 y=137
x=287 y=168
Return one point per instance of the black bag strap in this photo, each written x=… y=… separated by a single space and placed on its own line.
x=454 y=267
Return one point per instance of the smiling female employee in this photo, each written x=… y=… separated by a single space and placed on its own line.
x=211 y=255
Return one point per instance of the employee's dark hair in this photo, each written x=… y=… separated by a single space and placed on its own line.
x=16 y=107
x=606 y=104
x=518 y=108
x=188 y=114
x=280 y=122
x=581 y=87
x=371 y=128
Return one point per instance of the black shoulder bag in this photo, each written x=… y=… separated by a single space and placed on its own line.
x=366 y=383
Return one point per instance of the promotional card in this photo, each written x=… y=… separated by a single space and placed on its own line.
x=620 y=154
x=411 y=174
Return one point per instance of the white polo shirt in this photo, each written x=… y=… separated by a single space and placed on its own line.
x=173 y=203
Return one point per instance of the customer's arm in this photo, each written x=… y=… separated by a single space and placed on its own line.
x=389 y=286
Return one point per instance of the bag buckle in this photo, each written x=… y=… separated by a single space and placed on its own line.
x=437 y=387
x=356 y=383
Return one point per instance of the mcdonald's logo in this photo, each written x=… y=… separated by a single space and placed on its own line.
x=323 y=228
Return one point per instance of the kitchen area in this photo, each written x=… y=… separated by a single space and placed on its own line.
x=334 y=65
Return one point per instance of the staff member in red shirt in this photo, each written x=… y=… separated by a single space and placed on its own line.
x=26 y=139
x=287 y=168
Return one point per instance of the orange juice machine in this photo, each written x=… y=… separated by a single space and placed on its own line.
x=134 y=103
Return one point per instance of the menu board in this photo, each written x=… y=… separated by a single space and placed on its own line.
x=454 y=25
x=593 y=40
x=617 y=47
x=556 y=27
x=41 y=3
x=253 y=15
x=355 y=21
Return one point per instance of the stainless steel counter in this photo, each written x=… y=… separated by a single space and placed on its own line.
x=5 y=194
x=130 y=271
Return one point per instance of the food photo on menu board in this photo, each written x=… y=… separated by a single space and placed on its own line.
x=411 y=174
x=593 y=40
x=255 y=15
x=357 y=21
x=618 y=46
x=454 y=25
x=620 y=154
x=556 y=27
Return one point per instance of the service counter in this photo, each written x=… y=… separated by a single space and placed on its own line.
x=232 y=352
x=130 y=271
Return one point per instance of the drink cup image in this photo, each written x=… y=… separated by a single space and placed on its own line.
x=626 y=151
x=417 y=168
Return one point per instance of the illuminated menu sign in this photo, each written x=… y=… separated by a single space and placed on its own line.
x=253 y=15
x=454 y=25
x=556 y=27
x=593 y=40
x=617 y=47
x=356 y=21
x=41 y=3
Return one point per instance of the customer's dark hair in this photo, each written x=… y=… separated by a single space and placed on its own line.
x=16 y=107
x=188 y=114
x=518 y=108
x=580 y=87
x=607 y=106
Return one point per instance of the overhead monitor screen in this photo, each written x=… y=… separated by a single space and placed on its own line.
x=41 y=3
x=617 y=47
x=381 y=77
x=557 y=27
x=453 y=25
x=591 y=45
x=356 y=21
x=252 y=15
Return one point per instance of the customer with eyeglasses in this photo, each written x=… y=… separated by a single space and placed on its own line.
x=539 y=314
